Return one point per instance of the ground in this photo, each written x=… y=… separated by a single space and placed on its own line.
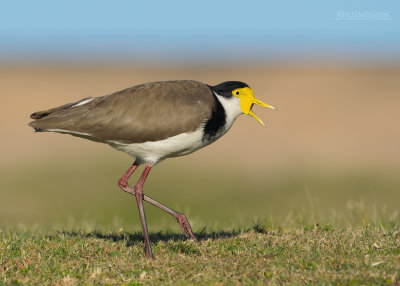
x=368 y=254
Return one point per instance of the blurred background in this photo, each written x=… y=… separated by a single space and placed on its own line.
x=330 y=154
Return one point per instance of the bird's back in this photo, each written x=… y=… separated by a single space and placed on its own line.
x=147 y=112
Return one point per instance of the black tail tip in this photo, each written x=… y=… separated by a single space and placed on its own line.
x=35 y=115
x=38 y=115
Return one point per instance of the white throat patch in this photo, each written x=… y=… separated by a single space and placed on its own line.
x=232 y=109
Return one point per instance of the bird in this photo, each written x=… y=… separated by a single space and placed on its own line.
x=152 y=122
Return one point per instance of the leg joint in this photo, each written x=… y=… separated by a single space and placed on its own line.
x=181 y=217
x=122 y=183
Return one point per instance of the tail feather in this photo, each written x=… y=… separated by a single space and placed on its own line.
x=38 y=129
x=44 y=113
x=58 y=117
x=39 y=114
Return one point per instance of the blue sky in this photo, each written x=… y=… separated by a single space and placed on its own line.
x=199 y=30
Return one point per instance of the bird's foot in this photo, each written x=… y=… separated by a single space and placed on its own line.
x=185 y=227
x=149 y=253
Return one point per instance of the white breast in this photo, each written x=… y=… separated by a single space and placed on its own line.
x=154 y=152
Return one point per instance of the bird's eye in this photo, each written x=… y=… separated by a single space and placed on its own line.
x=237 y=93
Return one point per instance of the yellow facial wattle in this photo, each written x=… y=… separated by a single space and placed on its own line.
x=247 y=100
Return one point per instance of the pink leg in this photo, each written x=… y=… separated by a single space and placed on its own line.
x=181 y=218
x=123 y=182
x=139 y=199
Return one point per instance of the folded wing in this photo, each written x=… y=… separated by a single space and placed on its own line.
x=148 y=112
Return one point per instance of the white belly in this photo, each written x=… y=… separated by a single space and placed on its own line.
x=154 y=152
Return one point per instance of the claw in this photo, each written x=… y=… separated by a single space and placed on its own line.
x=185 y=227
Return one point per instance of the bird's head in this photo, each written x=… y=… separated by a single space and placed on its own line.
x=241 y=90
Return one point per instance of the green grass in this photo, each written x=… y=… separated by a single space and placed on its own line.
x=367 y=254
x=69 y=223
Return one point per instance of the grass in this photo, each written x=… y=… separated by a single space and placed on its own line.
x=219 y=197
x=70 y=224
x=367 y=254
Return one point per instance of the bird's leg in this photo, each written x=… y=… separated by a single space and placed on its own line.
x=139 y=199
x=180 y=218
x=123 y=182
x=138 y=193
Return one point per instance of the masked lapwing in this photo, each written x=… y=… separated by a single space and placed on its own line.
x=152 y=122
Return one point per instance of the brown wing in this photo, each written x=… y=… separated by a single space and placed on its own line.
x=148 y=112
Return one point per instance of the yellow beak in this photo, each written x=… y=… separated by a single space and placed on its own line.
x=247 y=100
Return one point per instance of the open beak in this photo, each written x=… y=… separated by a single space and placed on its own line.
x=247 y=100
x=259 y=102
